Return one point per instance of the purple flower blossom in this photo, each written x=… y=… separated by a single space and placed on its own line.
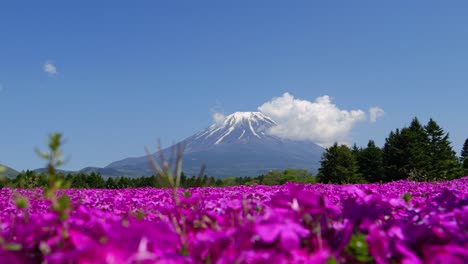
x=291 y=223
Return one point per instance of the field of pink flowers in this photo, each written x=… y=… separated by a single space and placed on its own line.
x=399 y=222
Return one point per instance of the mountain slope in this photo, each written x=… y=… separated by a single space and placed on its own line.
x=238 y=146
x=105 y=172
x=45 y=170
x=9 y=172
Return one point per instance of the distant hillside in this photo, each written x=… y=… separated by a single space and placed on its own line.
x=105 y=172
x=9 y=173
x=40 y=170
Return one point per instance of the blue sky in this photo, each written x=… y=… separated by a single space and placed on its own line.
x=121 y=75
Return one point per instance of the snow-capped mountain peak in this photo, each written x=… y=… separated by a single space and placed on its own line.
x=253 y=117
x=239 y=126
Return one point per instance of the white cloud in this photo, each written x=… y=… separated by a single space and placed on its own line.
x=319 y=121
x=218 y=118
x=50 y=68
x=217 y=113
x=374 y=113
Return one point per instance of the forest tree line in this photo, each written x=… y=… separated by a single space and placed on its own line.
x=416 y=152
x=32 y=179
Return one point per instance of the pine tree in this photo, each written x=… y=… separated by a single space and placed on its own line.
x=464 y=157
x=338 y=165
x=443 y=161
x=394 y=157
x=123 y=182
x=418 y=150
x=464 y=152
x=110 y=183
x=370 y=161
x=405 y=153
x=356 y=151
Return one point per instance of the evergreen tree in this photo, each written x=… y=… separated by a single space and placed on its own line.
x=356 y=151
x=79 y=181
x=418 y=159
x=443 y=161
x=464 y=157
x=94 y=180
x=405 y=153
x=370 y=161
x=394 y=157
x=464 y=152
x=338 y=165
x=43 y=180
x=183 y=180
x=218 y=183
x=110 y=183
x=123 y=182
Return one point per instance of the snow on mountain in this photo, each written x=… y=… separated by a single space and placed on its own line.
x=238 y=146
x=242 y=126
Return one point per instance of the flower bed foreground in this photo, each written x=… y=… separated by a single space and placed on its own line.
x=400 y=222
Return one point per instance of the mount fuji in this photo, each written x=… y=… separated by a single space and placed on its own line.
x=240 y=145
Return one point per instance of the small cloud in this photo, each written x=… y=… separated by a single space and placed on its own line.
x=319 y=121
x=217 y=113
x=50 y=68
x=218 y=118
x=374 y=113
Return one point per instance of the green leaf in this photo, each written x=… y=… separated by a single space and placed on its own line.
x=332 y=260
x=103 y=240
x=59 y=183
x=13 y=247
x=47 y=193
x=64 y=202
x=407 y=197
x=359 y=248
x=184 y=250
x=21 y=202
x=140 y=214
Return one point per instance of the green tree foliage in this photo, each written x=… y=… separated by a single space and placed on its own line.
x=464 y=157
x=95 y=179
x=370 y=162
x=229 y=181
x=420 y=153
x=405 y=153
x=110 y=183
x=443 y=161
x=277 y=177
x=338 y=165
x=297 y=175
x=272 y=178
x=418 y=147
x=123 y=182
x=31 y=179
x=28 y=180
x=464 y=152
x=394 y=157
